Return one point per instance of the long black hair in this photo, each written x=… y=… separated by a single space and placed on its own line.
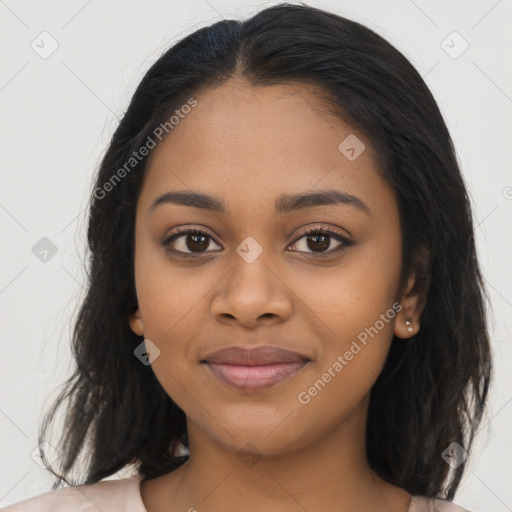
x=433 y=388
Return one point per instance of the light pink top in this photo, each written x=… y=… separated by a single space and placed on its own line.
x=124 y=496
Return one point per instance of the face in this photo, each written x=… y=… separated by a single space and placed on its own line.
x=255 y=276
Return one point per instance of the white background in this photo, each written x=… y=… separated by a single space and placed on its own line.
x=58 y=114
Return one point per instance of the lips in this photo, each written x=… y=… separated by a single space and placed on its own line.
x=254 y=369
x=255 y=356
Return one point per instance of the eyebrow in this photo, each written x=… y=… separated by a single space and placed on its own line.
x=285 y=203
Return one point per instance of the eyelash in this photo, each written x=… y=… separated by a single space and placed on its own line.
x=314 y=230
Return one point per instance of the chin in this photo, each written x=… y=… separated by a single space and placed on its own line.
x=268 y=437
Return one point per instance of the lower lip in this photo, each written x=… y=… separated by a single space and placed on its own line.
x=254 y=378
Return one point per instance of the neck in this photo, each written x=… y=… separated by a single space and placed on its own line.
x=330 y=474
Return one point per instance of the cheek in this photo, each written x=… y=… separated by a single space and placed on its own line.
x=170 y=296
x=172 y=312
x=350 y=361
x=344 y=301
x=352 y=310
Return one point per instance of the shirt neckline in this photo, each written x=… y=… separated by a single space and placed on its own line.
x=139 y=506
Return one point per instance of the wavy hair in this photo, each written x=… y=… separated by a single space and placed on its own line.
x=433 y=387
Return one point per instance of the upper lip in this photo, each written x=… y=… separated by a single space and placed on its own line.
x=257 y=356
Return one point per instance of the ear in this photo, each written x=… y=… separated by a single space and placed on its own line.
x=136 y=324
x=407 y=322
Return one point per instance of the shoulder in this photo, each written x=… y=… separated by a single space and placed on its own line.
x=113 y=495
x=422 y=504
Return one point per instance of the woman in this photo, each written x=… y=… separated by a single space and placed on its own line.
x=285 y=308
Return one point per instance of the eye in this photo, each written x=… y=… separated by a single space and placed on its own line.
x=188 y=242
x=318 y=240
x=193 y=242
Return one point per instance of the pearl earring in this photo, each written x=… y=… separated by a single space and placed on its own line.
x=409 y=325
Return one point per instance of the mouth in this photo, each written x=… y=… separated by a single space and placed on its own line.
x=254 y=369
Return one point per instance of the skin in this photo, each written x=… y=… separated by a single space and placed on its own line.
x=246 y=146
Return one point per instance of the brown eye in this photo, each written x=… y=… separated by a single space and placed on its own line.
x=189 y=241
x=318 y=240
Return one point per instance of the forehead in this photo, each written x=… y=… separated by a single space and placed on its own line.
x=245 y=142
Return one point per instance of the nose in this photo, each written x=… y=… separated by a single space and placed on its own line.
x=252 y=294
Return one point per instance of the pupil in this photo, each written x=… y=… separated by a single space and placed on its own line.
x=323 y=246
x=203 y=245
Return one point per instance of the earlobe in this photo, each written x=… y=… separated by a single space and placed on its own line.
x=406 y=327
x=136 y=323
x=408 y=319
